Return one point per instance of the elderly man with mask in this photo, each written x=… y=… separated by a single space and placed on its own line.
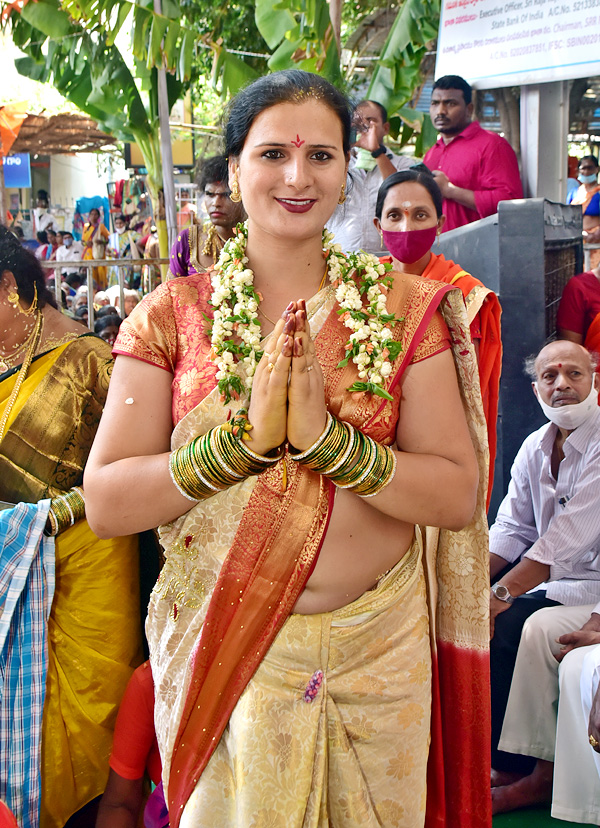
x=548 y=525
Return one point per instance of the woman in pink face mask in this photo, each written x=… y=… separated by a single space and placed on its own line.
x=409 y=217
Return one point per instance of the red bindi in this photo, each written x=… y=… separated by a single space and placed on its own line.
x=560 y=364
x=298 y=143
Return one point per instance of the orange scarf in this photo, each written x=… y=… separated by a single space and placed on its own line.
x=592 y=339
x=484 y=304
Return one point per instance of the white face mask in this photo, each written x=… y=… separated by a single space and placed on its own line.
x=120 y=230
x=571 y=416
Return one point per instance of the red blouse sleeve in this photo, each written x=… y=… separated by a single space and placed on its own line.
x=150 y=333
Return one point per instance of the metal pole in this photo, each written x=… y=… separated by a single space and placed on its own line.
x=165 y=148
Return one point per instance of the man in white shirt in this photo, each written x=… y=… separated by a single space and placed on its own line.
x=370 y=164
x=548 y=525
x=69 y=251
x=42 y=217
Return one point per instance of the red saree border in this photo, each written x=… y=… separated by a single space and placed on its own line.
x=258 y=585
x=458 y=770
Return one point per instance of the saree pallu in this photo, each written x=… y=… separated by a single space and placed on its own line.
x=94 y=635
x=483 y=303
x=236 y=563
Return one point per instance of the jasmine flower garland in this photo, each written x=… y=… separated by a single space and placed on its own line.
x=236 y=333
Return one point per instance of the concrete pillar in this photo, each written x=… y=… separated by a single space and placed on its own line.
x=544 y=131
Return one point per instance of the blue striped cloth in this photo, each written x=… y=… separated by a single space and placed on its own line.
x=26 y=592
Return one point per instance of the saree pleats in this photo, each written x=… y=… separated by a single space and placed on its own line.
x=457 y=571
x=314 y=740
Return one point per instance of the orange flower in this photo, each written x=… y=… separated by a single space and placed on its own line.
x=369 y=348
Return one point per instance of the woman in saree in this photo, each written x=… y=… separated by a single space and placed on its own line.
x=588 y=196
x=53 y=385
x=95 y=238
x=123 y=244
x=293 y=663
x=409 y=217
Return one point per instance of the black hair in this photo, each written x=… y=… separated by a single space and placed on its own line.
x=73 y=279
x=18 y=231
x=423 y=178
x=214 y=169
x=106 y=321
x=67 y=233
x=26 y=269
x=455 y=82
x=107 y=310
x=591 y=158
x=42 y=236
x=382 y=110
x=121 y=216
x=287 y=86
x=81 y=311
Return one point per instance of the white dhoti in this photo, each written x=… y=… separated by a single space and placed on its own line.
x=544 y=716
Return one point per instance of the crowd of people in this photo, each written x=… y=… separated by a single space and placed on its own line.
x=305 y=412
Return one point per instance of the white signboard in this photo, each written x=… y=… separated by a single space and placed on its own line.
x=492 y=43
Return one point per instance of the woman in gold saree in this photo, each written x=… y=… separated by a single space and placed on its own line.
x=53 y=385
x=289 y=630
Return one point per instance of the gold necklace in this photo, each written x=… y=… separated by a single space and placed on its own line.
x=6 y=359
x=213 y=244
x=22 y=373
x=268 y=318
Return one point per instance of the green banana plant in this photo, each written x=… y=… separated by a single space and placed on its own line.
x=79 y=57
x=299 y=34
x=398 y=72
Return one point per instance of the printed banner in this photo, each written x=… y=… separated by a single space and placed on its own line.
x=493 y=43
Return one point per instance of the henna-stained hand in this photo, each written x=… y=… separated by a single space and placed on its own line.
x=307 y=410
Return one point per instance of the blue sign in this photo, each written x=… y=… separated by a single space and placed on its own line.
x=17 y=171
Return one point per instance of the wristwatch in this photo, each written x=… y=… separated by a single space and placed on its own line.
x=380 y=151
x=502 y=594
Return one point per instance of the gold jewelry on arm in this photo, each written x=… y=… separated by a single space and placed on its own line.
x=215 y=461
x=65 y=510
x=350 y=459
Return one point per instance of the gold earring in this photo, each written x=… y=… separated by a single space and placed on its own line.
x=381 y=237
x=33 y=307
x=236 y=195
x=13 y=298
x=342 y=197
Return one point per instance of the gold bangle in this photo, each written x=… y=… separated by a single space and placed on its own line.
x=215 y=461
x=65 y=510
x=351 y=459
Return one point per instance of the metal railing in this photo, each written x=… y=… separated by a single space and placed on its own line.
x=88 y=265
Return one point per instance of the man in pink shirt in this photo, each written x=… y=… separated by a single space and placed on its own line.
x=474 y=168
